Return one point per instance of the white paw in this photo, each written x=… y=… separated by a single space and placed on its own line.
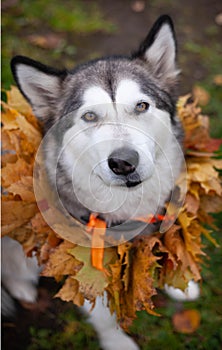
x=110 y=335
x=113 y=339
x=192 y=292
x=19 y=273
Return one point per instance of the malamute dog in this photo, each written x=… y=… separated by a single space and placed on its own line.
x=112 y=137
x=112 y=144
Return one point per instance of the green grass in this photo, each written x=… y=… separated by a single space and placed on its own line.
x=67 y=333
x=65 y=17
x=69 y=15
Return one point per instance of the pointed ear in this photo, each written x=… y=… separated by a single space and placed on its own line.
x=40 y=85
x=159 y=50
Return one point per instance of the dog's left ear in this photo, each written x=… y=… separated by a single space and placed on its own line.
x=159 y=50
x=41 y=85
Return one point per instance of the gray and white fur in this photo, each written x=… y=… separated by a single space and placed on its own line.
x=112 y=137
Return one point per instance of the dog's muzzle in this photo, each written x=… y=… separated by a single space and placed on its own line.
x=123 y=163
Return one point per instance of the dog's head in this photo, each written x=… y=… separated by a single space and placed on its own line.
x=115 y=120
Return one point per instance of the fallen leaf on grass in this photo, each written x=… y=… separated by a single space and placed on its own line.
x=218 y=79
x=186 y=321
x=46 y=41
x=138 y=6
x=201 y=95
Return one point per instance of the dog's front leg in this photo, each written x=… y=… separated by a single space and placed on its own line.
x=110 y=335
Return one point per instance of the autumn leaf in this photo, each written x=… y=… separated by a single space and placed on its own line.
x=17 y=102
x=92 y=282
x=186 y=321
x=12 y=120
x=202 y=96
x=70 y=292
x=47 y=41
x=143 y=268
x=192 y=204
x=218 y=79
x=124 y=251
x=195 y=126
x=13 y=172
x=16 y=214
x=8 y=153
x=23 y=188
x=61 y=263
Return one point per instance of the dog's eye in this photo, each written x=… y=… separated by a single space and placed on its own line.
x=142 y=107
x=90 y=117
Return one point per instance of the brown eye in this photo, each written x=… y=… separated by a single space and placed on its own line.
x=142 y=107
x=90 y=117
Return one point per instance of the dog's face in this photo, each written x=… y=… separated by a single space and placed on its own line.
x=111 y=128
x=118 y=140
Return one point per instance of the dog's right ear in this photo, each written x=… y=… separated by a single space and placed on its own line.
x=159 y=50
x=41 y=85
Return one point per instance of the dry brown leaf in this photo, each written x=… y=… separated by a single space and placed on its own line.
x=26 y=237
x=16 y=214
x=138 y=6
x=13 y=172
x=23 y=188
x=46 y=41
x=143 y=267
x=8 y=153
x=196 y=126
x=211 y=204
x=61 y=263
x=70 y=292
x=218 y=79
x=192 y=204
x=202 y=96
x=125 y=263
x=175 y=245
x=186 y=321
x=203 y=172
x=17 y=101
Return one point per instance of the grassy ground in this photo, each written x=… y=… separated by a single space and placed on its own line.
x=73 y=31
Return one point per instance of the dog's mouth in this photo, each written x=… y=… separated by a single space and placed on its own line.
x=129 y=181
x=132 y=180
x=132 y=183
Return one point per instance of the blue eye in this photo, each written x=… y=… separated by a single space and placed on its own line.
x=89 y=117
x=142 y=107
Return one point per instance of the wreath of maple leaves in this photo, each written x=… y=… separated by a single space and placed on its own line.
x=133 y=270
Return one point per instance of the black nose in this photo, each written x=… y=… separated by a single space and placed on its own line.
x=123 y=161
